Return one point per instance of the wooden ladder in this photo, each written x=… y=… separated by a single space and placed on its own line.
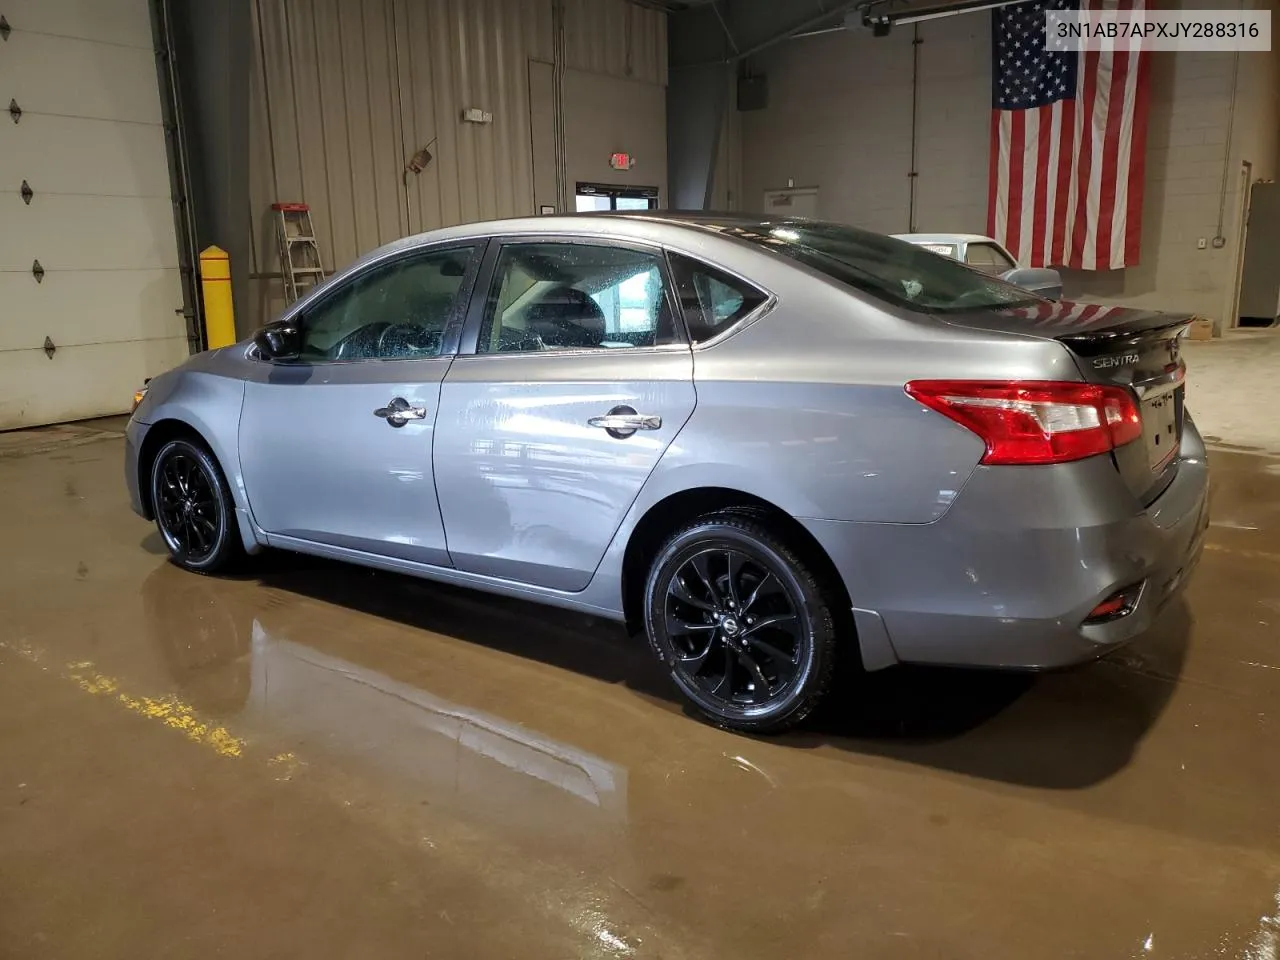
x=299 y=252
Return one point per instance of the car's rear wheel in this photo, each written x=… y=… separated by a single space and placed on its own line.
x=742 y=622
x=193 y=507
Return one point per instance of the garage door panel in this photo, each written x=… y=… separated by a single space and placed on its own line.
x=93 y=306
x=87 y=233
x=91 y=144
x=108 y=21
x=91 y=79
x=58 y=154
x=79 y=382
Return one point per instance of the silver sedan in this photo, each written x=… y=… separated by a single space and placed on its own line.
x=764 y=444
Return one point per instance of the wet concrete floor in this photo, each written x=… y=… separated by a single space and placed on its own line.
x=317 y=761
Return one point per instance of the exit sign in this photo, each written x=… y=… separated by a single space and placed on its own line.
x=621 y=161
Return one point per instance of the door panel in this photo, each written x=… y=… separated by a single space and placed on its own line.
x=327 y=452
x=79 y=381
x=82 y=78
x=529 y=490
x=571 y=330
x=319 y=464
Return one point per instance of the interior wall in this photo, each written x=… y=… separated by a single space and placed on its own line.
x=343 y=93
x=617 y=39
x=726 y=181
x=208 y=37
x=839 y=118
x=606 y=115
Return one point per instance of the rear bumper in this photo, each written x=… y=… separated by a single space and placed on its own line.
x=1008 y=576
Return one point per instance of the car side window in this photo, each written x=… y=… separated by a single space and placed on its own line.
x=988 y=259
x=575 y=296
x=711 y=300
x=395 y=311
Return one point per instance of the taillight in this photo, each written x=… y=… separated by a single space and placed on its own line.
x=1036 y=421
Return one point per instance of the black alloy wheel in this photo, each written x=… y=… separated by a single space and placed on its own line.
x=193 y=508
x=742 y=623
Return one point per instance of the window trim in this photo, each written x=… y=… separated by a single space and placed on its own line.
x=449 y=338
x=765 y=308
x=484 y=286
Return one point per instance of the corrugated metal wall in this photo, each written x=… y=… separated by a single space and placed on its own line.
x=456 y=54
x=617 y=38
x=344 y=92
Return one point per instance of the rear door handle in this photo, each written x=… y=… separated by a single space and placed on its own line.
x=626 y=421
x=622 y=422
x=398 y=412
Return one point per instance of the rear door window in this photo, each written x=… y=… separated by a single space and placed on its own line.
x=576 y=296
x=711 y=300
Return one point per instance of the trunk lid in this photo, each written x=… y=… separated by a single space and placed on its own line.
x=1138 y=349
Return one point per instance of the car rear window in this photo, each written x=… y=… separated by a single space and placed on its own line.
x=899 y=272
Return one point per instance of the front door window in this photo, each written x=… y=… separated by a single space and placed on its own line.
x=398 y=311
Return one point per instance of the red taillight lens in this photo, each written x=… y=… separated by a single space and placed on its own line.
x=1036 y=421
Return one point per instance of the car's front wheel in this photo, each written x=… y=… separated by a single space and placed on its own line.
x=742 y=622
x=193 y=508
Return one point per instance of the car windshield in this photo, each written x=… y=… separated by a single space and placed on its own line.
x=902 y=273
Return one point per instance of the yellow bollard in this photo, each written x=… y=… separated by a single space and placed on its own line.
x=215 y=289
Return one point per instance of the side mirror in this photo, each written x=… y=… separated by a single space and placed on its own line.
x=281 y=340
x=1039 y=280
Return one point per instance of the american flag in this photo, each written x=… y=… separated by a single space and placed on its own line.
x=1068 y=143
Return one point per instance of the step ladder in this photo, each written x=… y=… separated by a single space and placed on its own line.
x=299 y=253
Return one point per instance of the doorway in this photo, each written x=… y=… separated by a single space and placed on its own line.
x=611 y=196
x=1259 y=276
x=792 y=202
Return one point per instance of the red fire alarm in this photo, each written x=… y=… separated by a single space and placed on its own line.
x=622 y=161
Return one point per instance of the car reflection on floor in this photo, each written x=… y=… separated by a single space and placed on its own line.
x=234 y=665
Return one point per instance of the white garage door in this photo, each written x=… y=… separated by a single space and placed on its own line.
x=90 y=144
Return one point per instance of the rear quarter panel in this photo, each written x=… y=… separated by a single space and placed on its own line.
x=806 y=407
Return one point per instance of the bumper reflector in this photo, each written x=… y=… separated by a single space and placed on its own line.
x=1119 y=604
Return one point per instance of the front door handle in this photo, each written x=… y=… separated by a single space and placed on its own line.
x=622 y=422
x=398 y=412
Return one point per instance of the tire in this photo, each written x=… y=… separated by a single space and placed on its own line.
x=203 y=536
x=771 y=634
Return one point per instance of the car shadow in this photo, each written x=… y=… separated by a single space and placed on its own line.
x=1063 y=730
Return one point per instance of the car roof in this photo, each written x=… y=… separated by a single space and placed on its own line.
x=574 y=222
x=619 y=224
x=661 y=226
x=604 y=220
x=943 y=238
